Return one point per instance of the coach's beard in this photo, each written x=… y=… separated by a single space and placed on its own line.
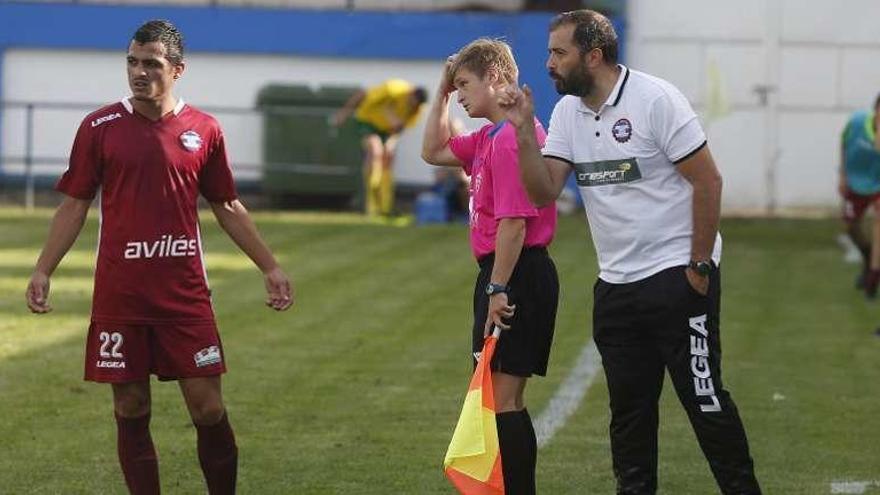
x=578 y=83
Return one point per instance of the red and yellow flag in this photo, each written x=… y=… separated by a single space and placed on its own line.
x=473 y=460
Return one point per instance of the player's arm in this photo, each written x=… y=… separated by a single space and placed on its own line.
x=235 y=220
x=65 y=227
x=543 y=178
x=699 y=169
x=509 y=241
x=350 y=105
x=438 y=130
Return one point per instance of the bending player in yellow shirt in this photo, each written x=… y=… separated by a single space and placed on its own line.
x=381 y=113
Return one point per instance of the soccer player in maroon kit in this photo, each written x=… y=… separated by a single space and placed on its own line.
x=151 y=155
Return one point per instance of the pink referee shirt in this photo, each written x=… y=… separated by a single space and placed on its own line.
x=490 y=158
x=150 y=175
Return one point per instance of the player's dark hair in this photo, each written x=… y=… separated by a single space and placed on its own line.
x=591 y=30
x=421 y=94
x=164 y=32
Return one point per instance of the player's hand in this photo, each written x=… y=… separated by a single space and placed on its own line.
x=279 y=290
x=699 y=283
x=518 y=105
x=37 y=294
x=499 y=309
x=446 y=82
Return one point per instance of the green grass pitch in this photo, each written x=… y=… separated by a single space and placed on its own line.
x=356 y=390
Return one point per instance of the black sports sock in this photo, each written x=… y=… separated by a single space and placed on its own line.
x=866 y=254
x=532 y=444
x=514 y=439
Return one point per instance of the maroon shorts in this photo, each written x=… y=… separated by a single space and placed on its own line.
x=854 y=205
x=128 y=353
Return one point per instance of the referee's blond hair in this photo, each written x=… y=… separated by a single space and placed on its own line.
x=485 y=54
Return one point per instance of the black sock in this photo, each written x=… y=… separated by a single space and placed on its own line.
x=514 y=439
x=866 y=256
x=532 y=444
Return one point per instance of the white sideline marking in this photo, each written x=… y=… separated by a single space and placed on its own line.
x=852 y=486
x=568 y=397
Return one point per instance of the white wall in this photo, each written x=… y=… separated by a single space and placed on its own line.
x=818 y=56
x=211 y=80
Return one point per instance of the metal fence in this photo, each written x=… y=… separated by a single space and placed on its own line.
x=35 y=141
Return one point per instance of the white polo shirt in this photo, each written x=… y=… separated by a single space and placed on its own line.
x=638 y=205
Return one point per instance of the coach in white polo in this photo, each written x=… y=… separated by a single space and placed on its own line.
x=652 y=195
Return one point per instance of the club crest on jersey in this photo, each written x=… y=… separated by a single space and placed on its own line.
x=622 y=130
x=191 y=140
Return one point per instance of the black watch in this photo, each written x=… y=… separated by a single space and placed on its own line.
x=702 y=267
x=492 y=289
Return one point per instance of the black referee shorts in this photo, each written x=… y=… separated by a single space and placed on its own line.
x=524 y=349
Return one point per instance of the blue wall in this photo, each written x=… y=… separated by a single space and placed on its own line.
x=414 y=36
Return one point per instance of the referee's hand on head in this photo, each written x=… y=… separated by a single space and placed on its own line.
x=279 y=289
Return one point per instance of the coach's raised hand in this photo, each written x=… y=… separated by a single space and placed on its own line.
x=518 y=105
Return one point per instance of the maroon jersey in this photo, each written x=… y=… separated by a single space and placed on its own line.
x=150 y=173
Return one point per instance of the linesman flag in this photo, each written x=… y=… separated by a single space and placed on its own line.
x=473 y=460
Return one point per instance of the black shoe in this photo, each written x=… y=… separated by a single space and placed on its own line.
x=877 y=333
x=860 y=279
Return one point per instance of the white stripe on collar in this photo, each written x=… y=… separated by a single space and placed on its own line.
x=179 y=107
x=126 y=102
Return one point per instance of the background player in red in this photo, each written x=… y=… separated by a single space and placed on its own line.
x=151 y=155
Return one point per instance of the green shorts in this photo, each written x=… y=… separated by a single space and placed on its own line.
x=365 y=129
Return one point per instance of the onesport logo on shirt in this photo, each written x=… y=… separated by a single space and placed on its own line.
x=166 y=247
x=607 y=172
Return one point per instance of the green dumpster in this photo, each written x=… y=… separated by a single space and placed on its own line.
x=304 y=156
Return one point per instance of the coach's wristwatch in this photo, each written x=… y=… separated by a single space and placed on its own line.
x=492 y=289
x=702 y=267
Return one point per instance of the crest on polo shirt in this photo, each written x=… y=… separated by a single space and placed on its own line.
x=622 y=130
x=191 y=140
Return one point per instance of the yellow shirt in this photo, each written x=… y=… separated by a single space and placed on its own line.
x=392 y=96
